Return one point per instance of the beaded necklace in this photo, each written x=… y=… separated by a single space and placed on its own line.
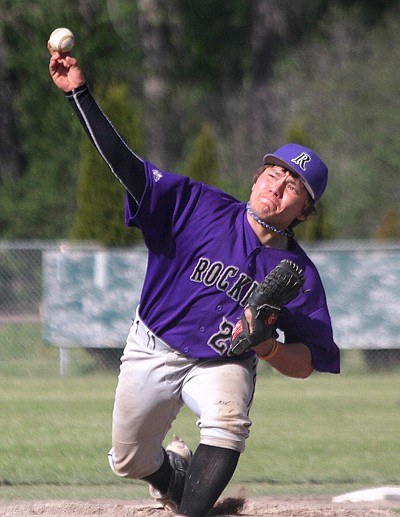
x=285 y=233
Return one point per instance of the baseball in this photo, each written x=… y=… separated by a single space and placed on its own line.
x=61 y=40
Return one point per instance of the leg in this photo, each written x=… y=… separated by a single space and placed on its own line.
x=209 y=473
x=146 y=403
x=148 y=399
x=221 y=393
x=167 y=484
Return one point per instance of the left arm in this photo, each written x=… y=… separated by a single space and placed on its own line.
x=291 y=359
x=308 y=333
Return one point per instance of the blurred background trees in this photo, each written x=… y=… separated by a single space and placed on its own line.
x=235 y=76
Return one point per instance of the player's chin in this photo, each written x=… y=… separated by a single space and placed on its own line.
x=266 y=212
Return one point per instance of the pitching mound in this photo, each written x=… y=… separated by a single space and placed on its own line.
x=230 y=507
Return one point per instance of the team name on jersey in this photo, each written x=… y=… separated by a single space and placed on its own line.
x=237 y=286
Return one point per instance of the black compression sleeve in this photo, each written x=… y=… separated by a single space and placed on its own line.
x=123 y=162
x=209 y=472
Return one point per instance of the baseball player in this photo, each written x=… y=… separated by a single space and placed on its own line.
x=208 y=256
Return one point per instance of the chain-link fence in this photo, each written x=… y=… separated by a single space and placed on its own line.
x=67 y=308
x=26 y=344
x=20 y=282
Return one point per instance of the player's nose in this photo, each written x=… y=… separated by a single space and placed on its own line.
x=278 y=187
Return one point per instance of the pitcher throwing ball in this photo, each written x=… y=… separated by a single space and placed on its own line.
x=214 y=265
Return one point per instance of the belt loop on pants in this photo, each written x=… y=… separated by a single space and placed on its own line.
x=148 y=338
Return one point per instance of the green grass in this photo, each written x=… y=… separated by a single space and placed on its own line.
x=322 y=436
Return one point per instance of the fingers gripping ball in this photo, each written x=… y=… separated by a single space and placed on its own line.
x=61 y=40
x=278 y=288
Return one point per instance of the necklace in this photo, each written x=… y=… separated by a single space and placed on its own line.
x=285 y=233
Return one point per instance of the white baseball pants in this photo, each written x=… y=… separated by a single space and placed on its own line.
x=154 y=383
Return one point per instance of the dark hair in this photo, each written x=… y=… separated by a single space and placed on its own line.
x=309 y=205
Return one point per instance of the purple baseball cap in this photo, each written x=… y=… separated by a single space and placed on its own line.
x=305 y=162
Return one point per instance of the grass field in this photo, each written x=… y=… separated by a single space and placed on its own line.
x=322 y=436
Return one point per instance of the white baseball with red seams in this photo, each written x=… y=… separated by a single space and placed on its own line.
x=61 y=40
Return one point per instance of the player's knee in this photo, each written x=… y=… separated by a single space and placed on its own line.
x=224 y=425
x=122 y=465
x=129 y=463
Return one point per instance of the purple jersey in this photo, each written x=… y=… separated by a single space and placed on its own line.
x=205 y=260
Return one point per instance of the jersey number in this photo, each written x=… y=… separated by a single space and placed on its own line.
x=220 y=340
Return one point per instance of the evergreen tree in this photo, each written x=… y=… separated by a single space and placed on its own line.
x=245 y=66
x=202 y=162
x=100 y=214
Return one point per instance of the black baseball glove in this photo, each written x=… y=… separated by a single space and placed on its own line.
x=278 y=288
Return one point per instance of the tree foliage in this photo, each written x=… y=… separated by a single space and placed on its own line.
x=202 y=161
x=251 y=68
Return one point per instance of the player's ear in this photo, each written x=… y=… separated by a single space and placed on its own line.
x=303 y=214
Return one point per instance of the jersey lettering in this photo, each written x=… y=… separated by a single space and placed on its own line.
x=210 y=273
x=213 y=273
x=236 y=290
x=201 y=267
x=223 y=283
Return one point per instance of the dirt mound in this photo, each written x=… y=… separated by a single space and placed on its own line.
x=263 y=506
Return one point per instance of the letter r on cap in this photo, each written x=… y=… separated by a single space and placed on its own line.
x=302 y=160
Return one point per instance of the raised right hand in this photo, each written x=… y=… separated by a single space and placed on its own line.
x=65 y=71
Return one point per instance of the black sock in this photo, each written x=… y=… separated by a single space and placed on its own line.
x=209 y=472
x=161 y=479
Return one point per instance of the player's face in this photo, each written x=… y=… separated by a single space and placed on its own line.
x=278 y=197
